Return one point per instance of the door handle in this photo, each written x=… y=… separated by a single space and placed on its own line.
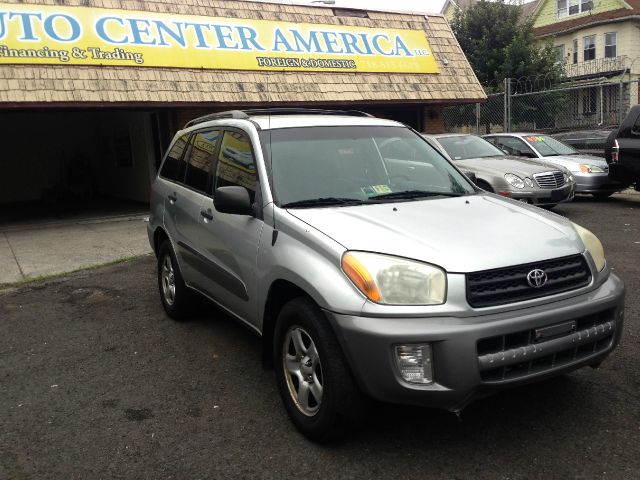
x=206 y=214
x=172 y=197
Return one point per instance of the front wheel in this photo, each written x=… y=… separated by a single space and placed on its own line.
x=314 y=381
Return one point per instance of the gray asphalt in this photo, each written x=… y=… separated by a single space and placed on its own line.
x=96 y=382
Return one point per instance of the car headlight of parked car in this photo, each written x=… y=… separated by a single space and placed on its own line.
x=514 y=180
x=528 y=182
x=395 y=281
x=593 y=246
x=585 y=168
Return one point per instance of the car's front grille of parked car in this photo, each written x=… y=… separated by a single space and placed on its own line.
x=516 y=355
x=553 y=179
x=511 y=284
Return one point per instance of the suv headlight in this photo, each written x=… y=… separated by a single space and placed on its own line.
x=584 y=168
x=592 y=244
x=514 y=180
x=395 y=281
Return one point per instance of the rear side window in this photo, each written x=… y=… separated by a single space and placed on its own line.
x=201 y=158
x=236 y=165
x=175 y=164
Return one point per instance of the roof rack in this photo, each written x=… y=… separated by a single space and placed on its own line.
x=244 y=114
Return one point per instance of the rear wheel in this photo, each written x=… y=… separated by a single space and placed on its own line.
x=176 y=297
x=314 y=381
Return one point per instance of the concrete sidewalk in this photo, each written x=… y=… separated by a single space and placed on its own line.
x=33 y=251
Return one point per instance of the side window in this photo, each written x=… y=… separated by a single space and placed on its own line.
x=515 y=146
x=236 y=165
x=174 y=165
x=203 y=150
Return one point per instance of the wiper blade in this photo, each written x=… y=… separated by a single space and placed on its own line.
x=416 y=194
x=324 y=201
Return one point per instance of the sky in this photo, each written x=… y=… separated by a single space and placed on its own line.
x=418 y=6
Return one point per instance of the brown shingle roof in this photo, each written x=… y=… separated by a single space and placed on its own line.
x=575 y=23
x=53 y=84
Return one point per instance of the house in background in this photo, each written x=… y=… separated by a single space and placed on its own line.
x=599 y=44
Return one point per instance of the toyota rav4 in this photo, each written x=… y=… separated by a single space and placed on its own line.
x=371 y=266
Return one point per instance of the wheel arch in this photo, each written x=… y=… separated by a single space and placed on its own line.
x=281 y=291
x=159 y=236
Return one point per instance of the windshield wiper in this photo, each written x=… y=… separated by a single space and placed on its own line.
x=324 y=201
x=416 y=194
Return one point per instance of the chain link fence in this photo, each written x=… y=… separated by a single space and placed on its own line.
x=536 y=105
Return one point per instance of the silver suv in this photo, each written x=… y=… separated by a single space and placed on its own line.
x=370 y=266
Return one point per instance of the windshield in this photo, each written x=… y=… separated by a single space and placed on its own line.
x=548 y=146
x=316 y=166
x=462 y=147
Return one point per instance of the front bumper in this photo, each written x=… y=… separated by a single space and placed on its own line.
x=543 y=197
x=596 y=183
x=462 y=371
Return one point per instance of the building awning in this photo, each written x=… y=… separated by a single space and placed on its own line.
x=333 y=38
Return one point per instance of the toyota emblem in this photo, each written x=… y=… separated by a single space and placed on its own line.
x=536 y=278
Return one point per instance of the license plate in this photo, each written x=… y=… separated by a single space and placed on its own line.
x=558 y=195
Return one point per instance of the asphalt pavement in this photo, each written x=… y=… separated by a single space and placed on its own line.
x=97 y=383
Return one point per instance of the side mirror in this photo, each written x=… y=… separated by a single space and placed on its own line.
x=471 y=176
x=232 y=199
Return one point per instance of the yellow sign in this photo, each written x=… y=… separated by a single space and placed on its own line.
x=39 y=34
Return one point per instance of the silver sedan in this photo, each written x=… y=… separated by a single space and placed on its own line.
x=590 y=172
x=536 y=183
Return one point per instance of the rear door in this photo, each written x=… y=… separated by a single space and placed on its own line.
x=629 y=143
x=191 y=208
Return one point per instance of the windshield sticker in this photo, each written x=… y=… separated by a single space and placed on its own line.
x=374 y=190
x=535 y=139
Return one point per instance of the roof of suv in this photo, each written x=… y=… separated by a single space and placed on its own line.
x=267 y=122
x=271 y=118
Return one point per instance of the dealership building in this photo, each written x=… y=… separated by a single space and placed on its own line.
x=92 y=91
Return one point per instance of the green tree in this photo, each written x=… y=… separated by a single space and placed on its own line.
x=498 y=45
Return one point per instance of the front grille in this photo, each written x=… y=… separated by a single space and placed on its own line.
x=516 y=355
x=553 y=179
x=507 y=285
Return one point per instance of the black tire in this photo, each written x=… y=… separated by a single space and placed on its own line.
x=484 y=186
x=179 y=306
x=341 y=406
x=602 y=195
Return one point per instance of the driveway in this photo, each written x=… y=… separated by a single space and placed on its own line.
x=96 y=382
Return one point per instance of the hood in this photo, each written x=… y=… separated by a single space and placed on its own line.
x=572 y=162
x=522 y=167
x=461 y=234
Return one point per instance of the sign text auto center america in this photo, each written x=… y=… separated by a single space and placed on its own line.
x=93 y=36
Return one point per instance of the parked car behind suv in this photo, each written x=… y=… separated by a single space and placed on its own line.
x=538 y=183
x=371 y=271
x=591 y=173
x=622 y=150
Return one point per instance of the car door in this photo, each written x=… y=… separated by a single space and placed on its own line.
x=191 y=210
x=231 y=241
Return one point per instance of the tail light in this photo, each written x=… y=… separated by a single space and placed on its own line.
x=615 y=151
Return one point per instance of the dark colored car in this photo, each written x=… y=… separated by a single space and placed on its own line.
x=591 y=142
x=622 y=150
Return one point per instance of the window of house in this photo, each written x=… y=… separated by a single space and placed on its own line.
x=203 y=148
x=589 y=101
x=610 y=40
x=559 y=53
x=562 y=8
x=573 y=7
x=575 y=50
x=589 y=48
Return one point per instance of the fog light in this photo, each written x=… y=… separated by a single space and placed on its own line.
x=414 y=363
